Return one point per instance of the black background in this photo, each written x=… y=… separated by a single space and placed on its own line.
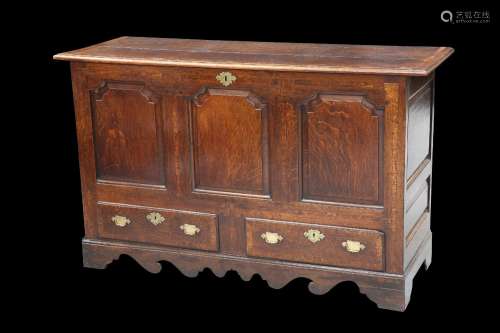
x=464 y=146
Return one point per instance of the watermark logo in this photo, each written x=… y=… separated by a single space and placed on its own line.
x=446 y=16
x=465 y=16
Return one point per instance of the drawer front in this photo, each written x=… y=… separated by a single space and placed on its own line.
x=315 y=244
x=191 y=230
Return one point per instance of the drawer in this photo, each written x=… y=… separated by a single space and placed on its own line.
x=192 y=230
x=315 y=244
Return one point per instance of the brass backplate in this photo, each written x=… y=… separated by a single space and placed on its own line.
x=226 y=78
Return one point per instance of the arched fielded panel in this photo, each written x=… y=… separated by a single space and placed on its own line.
x=127 y=134
x=239 y=120
x=341 y=149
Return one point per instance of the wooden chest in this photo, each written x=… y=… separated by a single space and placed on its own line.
x=286 y=160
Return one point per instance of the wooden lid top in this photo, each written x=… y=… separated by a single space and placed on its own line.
x=329 y=58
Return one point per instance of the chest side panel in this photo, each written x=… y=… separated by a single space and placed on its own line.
x=419 y=129
x=418 y=163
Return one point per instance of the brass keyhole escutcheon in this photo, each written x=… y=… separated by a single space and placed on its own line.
x=155 y=218
x=226 y=78
x=314 y=235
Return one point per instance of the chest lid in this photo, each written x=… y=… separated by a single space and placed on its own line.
x=301 y=57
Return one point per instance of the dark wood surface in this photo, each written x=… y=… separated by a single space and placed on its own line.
x=420 y=127
x=168 y=232
x=237 y=119
x=398 y=60
x=328 y=251
x=346 y=154
x=342 y=136
x=127 y=134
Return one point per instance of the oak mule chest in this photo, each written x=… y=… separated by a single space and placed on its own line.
x=279 y=159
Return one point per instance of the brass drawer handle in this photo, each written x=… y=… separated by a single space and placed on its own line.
x=120 y=221
x=353 y=246
x=271 y=237
x=226 y=78
x=314 y=235
x=155 y=218
x=190 y=229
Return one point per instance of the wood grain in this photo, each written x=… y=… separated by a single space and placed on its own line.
x=322 y=139
x=388 y=291
x=128 y=141
x=328 y=251
x=168 y=232
x=419 y=128
x=300 y=57
x=342 y=140
x=229 y=142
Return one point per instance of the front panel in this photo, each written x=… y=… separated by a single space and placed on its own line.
x=308 y=148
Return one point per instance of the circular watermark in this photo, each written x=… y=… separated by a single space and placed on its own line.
x=446 y=16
